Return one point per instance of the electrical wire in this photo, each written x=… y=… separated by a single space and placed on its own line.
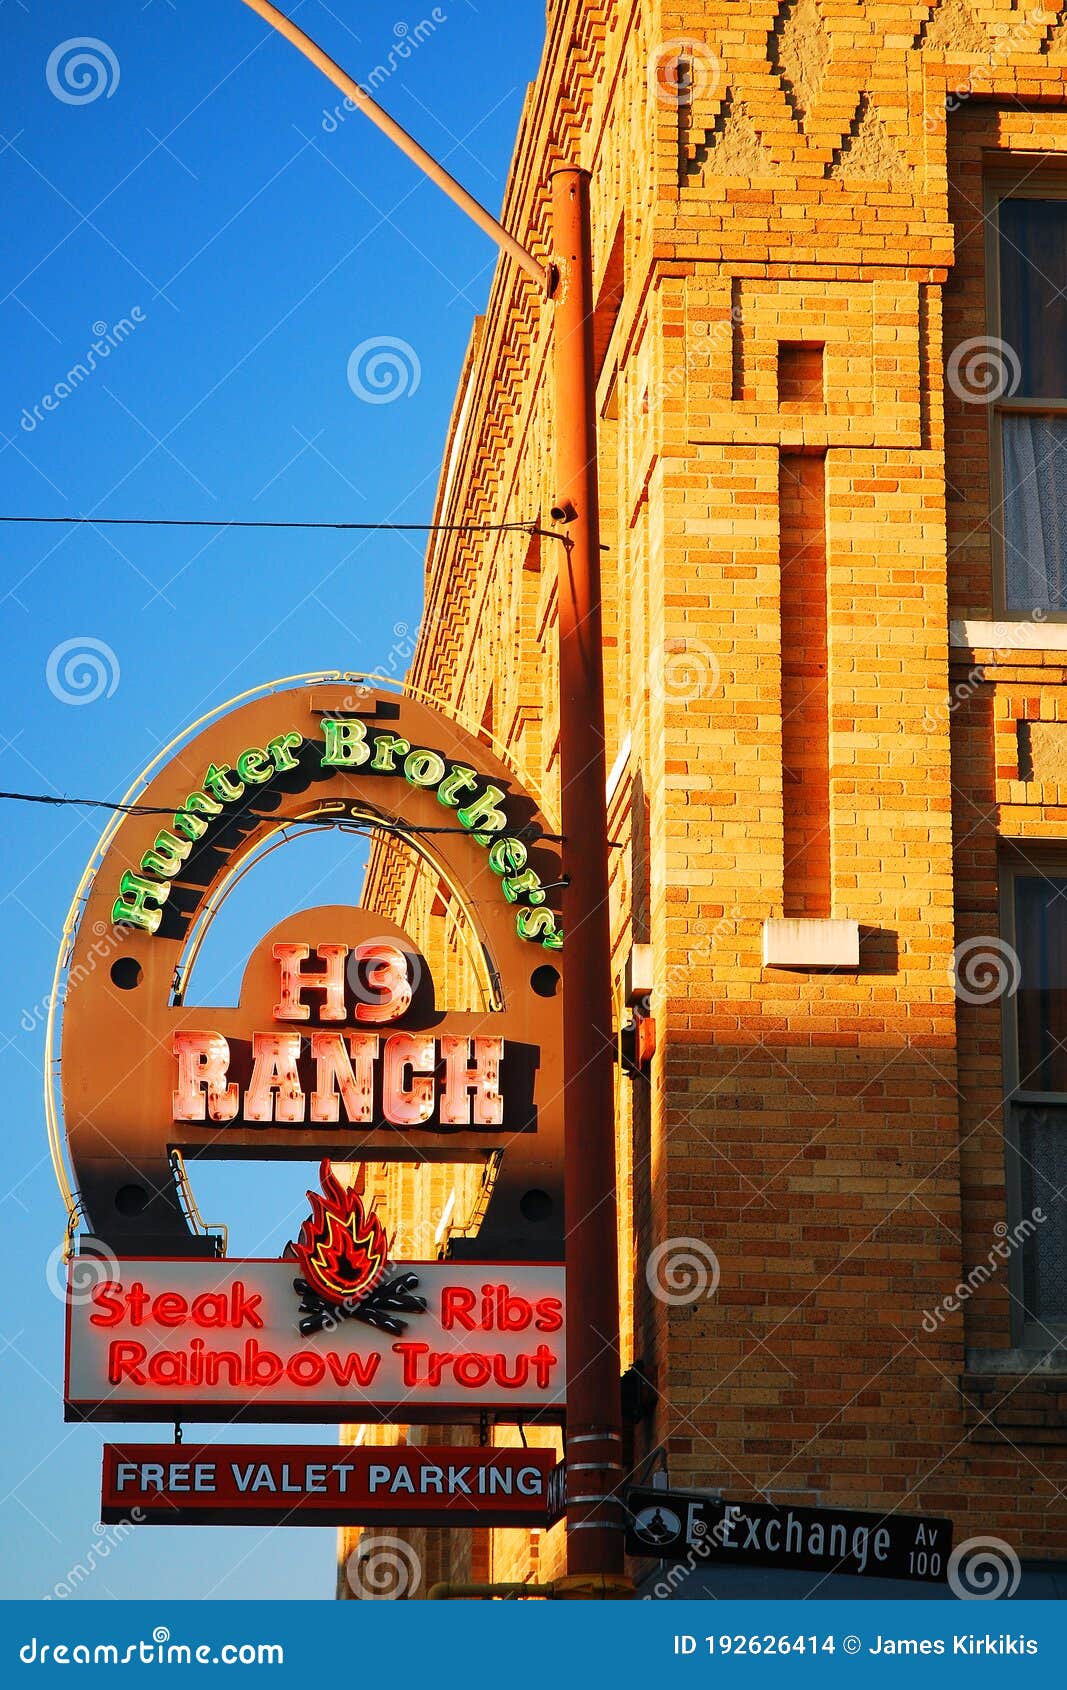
x=331 y=818
x=531 y=528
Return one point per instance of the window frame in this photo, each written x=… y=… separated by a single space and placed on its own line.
x=1049 y=862
x=1043 y=177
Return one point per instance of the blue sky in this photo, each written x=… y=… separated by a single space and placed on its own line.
x=203 y=218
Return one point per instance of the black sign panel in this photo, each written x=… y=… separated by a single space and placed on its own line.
x=684 y=1525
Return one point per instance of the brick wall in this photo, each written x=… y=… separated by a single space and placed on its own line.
x=784 y=257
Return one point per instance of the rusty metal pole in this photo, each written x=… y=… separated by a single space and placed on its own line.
x=593 y=1436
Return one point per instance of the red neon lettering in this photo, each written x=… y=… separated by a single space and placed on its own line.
x=124 y=1357
x=457 y=1301
x=108 y=1298
x=549 y=1314
x=292 y=983
x=513 y=1314
x=221 y=1309
x=306 y=1368
x=473 y=1371
x=409 y=1354
x=544 y=1361
x=347 y=1369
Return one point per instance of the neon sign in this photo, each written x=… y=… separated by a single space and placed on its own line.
x=401 y=1080
x=337 y=1045
x=348 y=745
x=203 y=1340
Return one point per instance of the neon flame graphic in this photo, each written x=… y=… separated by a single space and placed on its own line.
x=342 y=1251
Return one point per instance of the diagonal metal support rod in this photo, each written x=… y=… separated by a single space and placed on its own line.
x=407 y=143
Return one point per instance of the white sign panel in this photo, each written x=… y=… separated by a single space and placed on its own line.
x=221 y=1340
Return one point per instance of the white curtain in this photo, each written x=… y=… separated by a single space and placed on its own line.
x=1034 y=516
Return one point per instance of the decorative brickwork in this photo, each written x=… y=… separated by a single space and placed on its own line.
x=766 y=176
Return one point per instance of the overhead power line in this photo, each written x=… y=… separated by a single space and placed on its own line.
x=531 y=528
x=333 y=818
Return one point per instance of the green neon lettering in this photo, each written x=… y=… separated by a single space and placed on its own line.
x=254 y=767
x=539 y=924
x=216 y=783
x=188 y=822
x=424 y=768
x=280 y=750
x=459 y=779
x=166 y=856
x=346 y=743
x=529 y=882
x=135 y=894
x=483 y=818
x=506 y=856
x=385 y=748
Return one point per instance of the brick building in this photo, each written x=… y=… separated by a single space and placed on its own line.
x=831 y=262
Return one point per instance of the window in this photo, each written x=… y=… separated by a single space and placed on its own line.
x=1028 y=380
x=1036 y=1071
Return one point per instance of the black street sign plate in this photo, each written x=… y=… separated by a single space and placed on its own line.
x=683 y=1525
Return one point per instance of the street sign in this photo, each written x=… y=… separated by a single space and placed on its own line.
x=431 y=1342
x=330 y=1484
x=679 y=1525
